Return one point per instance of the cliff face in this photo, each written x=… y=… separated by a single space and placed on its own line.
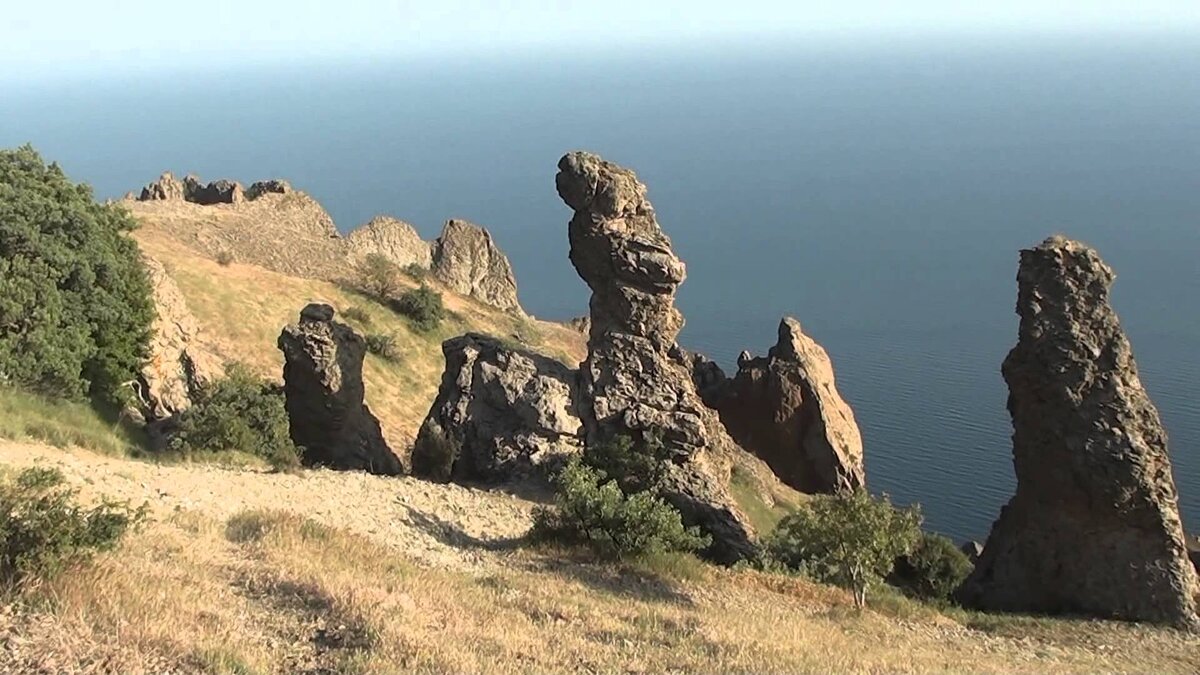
x=785 y=408
x=1094 y=526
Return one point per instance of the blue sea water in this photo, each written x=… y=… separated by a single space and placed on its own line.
x=878 y=193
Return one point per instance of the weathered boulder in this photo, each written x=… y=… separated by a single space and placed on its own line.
x=1094 y=526
x=262 y=187
x=785 y=408
x=394 y=239
x=468 y=262
x=217 y=192
x=501 y=414
x=630 y=385
x=178 y=363
x=323 y=385
x=167 y=187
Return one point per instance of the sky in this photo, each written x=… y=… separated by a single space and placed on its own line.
x=51 y=38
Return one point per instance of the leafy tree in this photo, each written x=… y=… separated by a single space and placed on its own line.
x=635 y=466
x=238 y=413
x=75 y=303
x=44 y=532
x=590 y=509
x=377 y=275
x=423 y=306
x=851 y=540
x=932 y=570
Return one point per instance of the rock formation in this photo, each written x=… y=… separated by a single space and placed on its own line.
x=178 y=364
x=217 y=192
x=1094 y=526
x=167 y=187
x=500 y=414
x=707 y=376
x=395 y=239
x=467 y=260
x=271 y=186
x=630 y=384
x=323 y=385
x=785 y=408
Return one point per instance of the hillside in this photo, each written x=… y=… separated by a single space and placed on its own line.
x=243 y=572
x=242 y=307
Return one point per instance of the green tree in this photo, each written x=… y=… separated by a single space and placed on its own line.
x=852 y=540
x=932 y=570
x=423 y=306
x=75 y=302
x=239 y=413
x=377 y=275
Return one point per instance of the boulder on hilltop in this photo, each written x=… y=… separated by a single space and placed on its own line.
x=785 y=408
x=1094 y=526
x=394 y=239
x=323 y=386
x=501 y=414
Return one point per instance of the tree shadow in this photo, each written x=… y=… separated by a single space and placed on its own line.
x=612 y=577
x=451 y=534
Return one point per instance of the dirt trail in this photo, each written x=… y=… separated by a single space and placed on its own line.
x=433 y=524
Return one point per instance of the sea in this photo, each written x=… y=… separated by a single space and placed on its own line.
x=878 y=191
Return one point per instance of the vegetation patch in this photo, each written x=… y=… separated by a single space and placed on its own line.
x=932 y=570
x=63 y=424
x=384 y=345
x=239 y=413
x=423 y=307
x=45 y=532
x=377 y=276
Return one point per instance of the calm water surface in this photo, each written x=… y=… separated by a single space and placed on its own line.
x=878 y=194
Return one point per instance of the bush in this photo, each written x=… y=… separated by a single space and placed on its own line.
x=239 y=413
x=590 y=510
x=384 y=346
x=933 y=569
x=635 y=467
x=850 y=540
x=423 y=306
x=75 y=303
x=44 y=532
x=224 y=258
x=358 y=315
x=377 y=275
x=415 y=271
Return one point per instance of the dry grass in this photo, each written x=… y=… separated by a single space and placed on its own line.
x=242 y=309
x=272 y=592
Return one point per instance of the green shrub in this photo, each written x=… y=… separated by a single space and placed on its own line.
x=932 y=570
x=44 y=531
x=357 y=314
x=384 y=346
x=225 y=258
x=377 y=275
x=423 y=307
x=590 y=510
x=635 y=467
x=75 y=307
x=850 y=540
x=415 y=271
x=239 y=413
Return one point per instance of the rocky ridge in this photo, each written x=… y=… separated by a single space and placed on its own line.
x=274 y=226
x=1094 y=526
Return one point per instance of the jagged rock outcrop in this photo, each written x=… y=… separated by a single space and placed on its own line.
x=395 y=239
x=707 y=375
x=630 y=384
x=501 y=414
x=272 y=186
x=1094 y=526
x=785 y=408
x=467 y=260
x=167 y=187
x=323 y=385
x=218 y=192
x=178 y=364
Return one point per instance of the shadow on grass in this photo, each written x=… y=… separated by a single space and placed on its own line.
x=635 y=580
x=451 y=534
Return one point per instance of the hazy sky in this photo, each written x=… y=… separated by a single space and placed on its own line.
x=44 y=38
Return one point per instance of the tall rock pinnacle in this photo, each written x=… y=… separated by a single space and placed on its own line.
x=1094 y=526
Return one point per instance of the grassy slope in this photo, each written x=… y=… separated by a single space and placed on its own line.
x=272 y=592
x=242 y=309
